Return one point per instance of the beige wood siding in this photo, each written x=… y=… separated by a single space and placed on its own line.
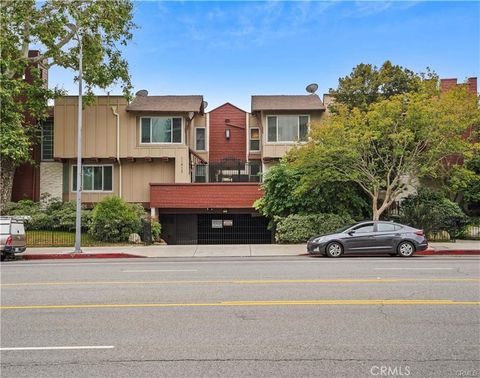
x=138 y=175
x=136 y=179
x=100 y=131
x=99 y=127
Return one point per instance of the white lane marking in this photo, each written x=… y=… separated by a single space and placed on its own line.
x=60 y=348
x=413 y=268
x=160 y=270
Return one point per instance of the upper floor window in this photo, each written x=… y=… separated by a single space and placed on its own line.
x=287 y=128
x=161 y=130
x=47 y=140
x=254 y=139
x=95 y=178
x=200 y=139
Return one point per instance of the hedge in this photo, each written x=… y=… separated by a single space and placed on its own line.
x=299 y=228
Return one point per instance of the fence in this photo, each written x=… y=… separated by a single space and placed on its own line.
x=65 y=237
x=59 y=238
x=471 y=232
x=227 y=170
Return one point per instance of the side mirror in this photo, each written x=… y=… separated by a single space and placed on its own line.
x=351 y=232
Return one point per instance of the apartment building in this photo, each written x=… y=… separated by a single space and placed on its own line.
x=198 y=171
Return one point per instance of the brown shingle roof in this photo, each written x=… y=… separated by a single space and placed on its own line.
x=299 y=102
x=166 y=104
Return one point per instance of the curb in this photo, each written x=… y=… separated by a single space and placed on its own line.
x=61 y=256
x=430 y=252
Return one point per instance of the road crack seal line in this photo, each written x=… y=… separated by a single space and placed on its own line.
x=245 y=282
x=101 y=362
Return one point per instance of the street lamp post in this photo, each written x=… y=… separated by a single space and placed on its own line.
x=78 y=216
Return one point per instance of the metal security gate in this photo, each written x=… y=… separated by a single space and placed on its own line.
x=233 y=229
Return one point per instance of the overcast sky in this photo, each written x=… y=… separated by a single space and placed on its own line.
x=228 y=51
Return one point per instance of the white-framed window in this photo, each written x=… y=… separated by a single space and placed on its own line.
x=200 y=139
x=95 y=178
x=287 y=128
x=254 y=139
x=47 y=140
x=159 y=130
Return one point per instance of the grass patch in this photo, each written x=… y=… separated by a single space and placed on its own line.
x=58 y=238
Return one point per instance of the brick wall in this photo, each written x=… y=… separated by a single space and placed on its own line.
x=51 y=178
x=222 y=118
x=447 y=84
x=203 y=196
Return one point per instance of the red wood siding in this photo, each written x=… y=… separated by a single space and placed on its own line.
x=26 y=181
x=225 y=117
x=202 y=196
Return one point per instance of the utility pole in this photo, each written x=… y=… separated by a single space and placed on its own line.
x=78 y=216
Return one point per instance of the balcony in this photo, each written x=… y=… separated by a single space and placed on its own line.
x=227 y=171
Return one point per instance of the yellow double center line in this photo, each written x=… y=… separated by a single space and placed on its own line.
x=428 y=302
x=243 y=282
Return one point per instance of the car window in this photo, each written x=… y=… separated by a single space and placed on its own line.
x=339 y=230
x=364 y=228
x=385 y=227
x=398 y=227
x=4 y=229
x=17 y=228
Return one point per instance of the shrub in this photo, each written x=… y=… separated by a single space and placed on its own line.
x=50 y=213
x=156 y=230
x=114 y=220
x=299 y=228
x=432 y=212
x=63 y=214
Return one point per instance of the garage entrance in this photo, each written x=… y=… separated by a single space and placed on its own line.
x=215 y=229
x=233 y=229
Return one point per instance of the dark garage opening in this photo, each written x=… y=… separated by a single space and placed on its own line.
x=215 y=229
x=233 y=229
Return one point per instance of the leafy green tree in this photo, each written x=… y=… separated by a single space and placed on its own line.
x=52 y=26
x=284 y=194
x=394 y=141
x=368 y=84
x=462 y=182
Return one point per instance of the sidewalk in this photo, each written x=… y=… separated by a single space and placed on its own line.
x=464 y=247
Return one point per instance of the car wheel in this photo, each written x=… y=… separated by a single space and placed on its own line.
x=334 y=249
x=3 y=256
x=406 y=249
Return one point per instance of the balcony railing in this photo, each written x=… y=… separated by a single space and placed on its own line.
x=227 y=171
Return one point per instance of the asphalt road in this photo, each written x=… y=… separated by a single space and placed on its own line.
x=235 y=317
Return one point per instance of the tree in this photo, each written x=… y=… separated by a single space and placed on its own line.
x=285 y=194
x=52 y=25
x=368 y=84
x=392 y=142
x=462 y=182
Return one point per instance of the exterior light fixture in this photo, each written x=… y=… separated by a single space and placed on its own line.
x=227 y=134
